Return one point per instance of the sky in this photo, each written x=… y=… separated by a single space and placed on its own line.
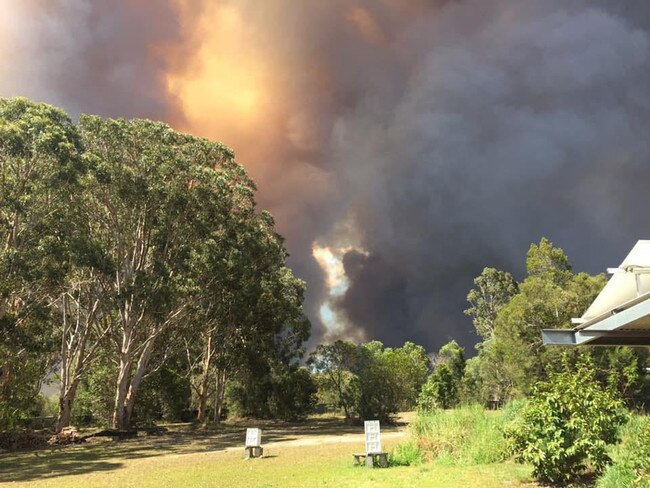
x=402 y=145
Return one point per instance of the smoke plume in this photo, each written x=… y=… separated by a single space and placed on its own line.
x=401 y=145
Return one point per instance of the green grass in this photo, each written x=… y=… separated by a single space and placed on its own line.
x=314 y=454
x=463 y=436
x=313 y=466
x=631 y=457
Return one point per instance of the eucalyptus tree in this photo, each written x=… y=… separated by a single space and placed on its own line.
x=147 y=184
x=40 y=165
x=85 y=324
x=512 y=357
x=249 y=301
x=334 y=364
x=494 y=289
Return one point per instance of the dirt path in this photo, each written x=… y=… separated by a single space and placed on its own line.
x=315 y=440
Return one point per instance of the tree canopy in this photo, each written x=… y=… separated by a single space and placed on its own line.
x=129 y=246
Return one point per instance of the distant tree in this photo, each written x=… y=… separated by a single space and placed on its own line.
x=376 y=383
x=545 y=258
x=494 y=289
x=370 y=381
x=409 y=365
x=514 y=358
x=442 y=389
x=334 y=364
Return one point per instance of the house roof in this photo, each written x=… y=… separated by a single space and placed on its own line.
x=620 y=314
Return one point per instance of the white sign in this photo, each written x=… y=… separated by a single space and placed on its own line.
x=253 y=437
x=373 y=438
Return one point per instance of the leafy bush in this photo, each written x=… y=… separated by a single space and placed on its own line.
x=466 y=435
x=631 y=458
x=567 y=425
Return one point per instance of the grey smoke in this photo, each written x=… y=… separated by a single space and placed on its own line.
x=518 y=120
x=88 y=56
x=468 y=131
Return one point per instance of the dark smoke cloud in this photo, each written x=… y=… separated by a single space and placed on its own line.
x=517 y=120
x=439 y=137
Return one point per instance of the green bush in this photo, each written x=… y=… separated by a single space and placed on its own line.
x=631 y=458
x=466 y=435
x=567 y=425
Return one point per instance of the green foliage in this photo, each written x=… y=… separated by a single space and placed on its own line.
x=567 y=425
x=512 y=359
x=466 y=435
x=442 y=389
x=286 y=392
x=409 y=365
x=40 y=166
x=94 y=402
x=545 y=258
x=156 y=238
x=406 y=453
x=630 y=466
x=164 y=396
x=369 y=381
x=494 y=289
x=333 y=365
x=293 y=394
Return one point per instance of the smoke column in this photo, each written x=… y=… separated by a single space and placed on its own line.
x=401 y=145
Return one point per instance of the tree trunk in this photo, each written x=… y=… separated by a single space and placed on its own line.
x=140 y=370
x=65 y=406
x=203 y=386
x=118 y=420
x=220 y=390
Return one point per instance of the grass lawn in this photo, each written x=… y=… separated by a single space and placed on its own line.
x=308 y=455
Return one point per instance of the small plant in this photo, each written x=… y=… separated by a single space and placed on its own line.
x=567 y=425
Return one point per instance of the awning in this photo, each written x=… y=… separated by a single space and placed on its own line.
x=620 y=314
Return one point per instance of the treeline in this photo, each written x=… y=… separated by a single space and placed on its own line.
x=134 y=263
x=369 y=381
x=509 y=317
x=138 y=274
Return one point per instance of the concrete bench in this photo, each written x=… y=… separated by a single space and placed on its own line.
x=371 y=459
x=254 y=451
x=253 y=443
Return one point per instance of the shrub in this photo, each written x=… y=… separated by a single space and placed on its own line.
x=567 y=425
x=466 y=435
x=631 y=458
